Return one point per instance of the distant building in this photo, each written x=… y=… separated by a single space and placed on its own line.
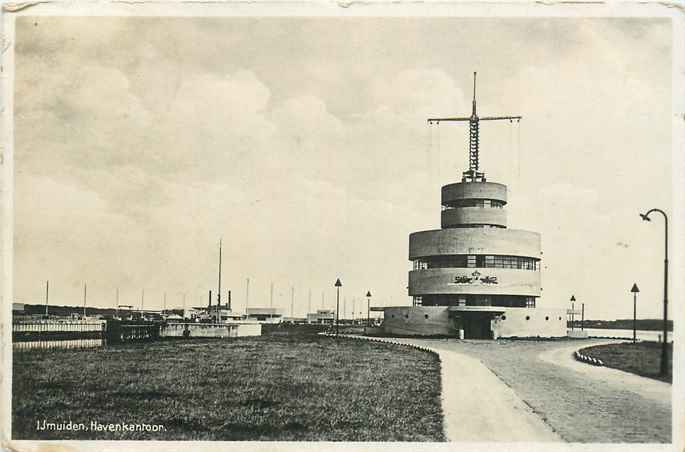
x=321 y=316
x=211 y=314
x=294 y=320
x=265 y=315
x=18 y=309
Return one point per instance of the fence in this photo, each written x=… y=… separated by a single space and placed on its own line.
x=57 y=334
x=48 y=334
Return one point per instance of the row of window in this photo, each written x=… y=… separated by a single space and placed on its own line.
x=485 y=203
x=508 y=301
x=475 y=225
x=476 y=261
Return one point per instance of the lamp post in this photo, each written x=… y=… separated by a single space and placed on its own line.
x=635 y=291
x=338 y=285
x=664 y=350
x=368 y=308
x=573 y=311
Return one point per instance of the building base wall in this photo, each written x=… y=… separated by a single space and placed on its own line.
x=417 y=321
x=530 y=322
x=439 y=321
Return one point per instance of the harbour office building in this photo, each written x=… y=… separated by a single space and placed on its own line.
x=475 y=278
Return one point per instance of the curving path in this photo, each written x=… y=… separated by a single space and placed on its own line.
x=582 y=403
x=535 y=391
x=655 y=390
x=478 y=406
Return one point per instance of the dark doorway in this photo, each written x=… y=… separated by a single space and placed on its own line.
x=477 y=325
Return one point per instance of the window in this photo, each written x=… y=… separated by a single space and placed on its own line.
x=546 y=317
x=473 y=261
x=530 y=302
x=406 y=316
x=504 y=317
x=483 y=203
x=527 y=317
x=426 y=316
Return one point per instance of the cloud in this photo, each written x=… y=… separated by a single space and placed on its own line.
x=313 y=158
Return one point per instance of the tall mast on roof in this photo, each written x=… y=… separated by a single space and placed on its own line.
x=473 y=175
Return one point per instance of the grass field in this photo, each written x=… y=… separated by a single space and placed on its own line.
x=278 y=387
x=641 y=358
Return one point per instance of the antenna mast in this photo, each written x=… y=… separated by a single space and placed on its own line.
x=218 y=292
x=473 y=175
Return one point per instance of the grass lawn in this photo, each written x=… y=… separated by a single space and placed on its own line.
x=641 y=358
x=276 y=387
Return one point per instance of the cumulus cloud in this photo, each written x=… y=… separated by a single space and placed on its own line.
x=314 y=159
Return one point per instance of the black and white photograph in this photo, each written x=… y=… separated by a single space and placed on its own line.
x=363 y=229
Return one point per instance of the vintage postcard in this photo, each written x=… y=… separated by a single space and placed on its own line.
x=369 y=226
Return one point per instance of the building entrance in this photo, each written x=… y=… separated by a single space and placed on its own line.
x=476 y=325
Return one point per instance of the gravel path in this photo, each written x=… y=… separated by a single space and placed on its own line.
x=577 y=404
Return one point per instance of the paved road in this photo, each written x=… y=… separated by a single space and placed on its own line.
x=478 y=406
x=581 y=404
x=658 y=391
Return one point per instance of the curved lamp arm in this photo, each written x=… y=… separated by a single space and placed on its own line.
x=645 y=217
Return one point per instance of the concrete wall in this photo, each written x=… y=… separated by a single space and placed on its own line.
x=473 y=190
x=211 y=329
x=508 y=242
x=417 y=321
x=473 y=215
x=541 y=322
x=435 y=281
x=412 y=321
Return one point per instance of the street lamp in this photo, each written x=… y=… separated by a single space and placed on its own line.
x=338 y=285
x=368 y=308
x=635 y=291
x=573 y=311
x=664 y=350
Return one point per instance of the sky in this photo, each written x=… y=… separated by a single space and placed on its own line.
x=303 y=144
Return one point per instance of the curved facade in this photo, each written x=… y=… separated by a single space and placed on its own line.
x=474 y=278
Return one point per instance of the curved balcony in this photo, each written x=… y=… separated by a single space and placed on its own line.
x=507 y=242
x=453 y=193
x=464 y=216
x=476 y=281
